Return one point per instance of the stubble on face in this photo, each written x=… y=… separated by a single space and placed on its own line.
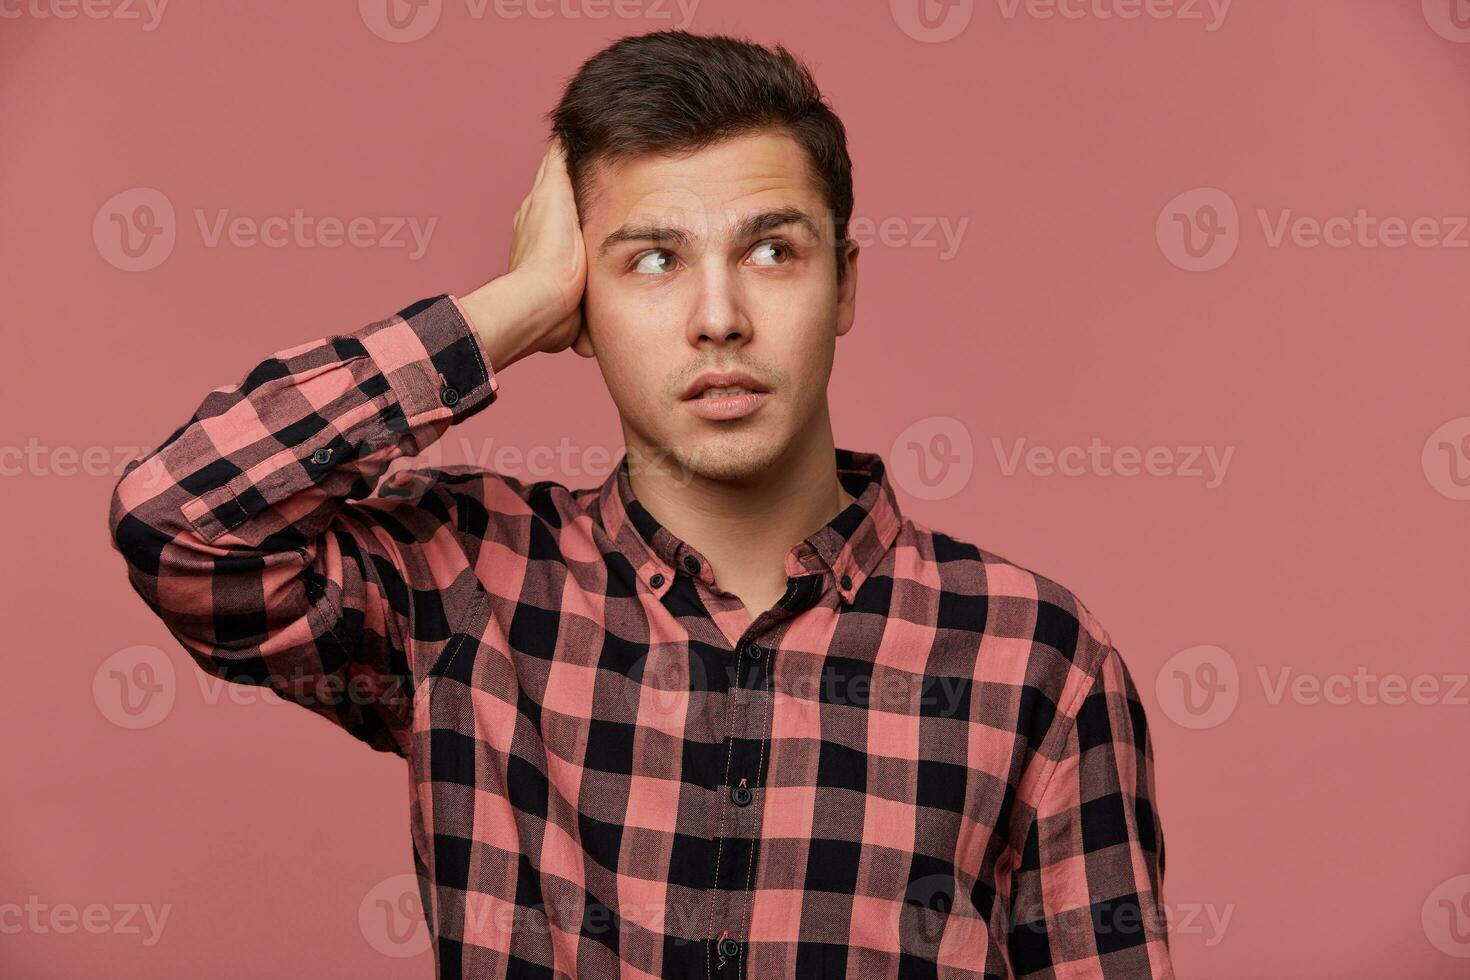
x=791 y=321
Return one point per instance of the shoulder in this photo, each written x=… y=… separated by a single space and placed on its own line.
x=1016 y=605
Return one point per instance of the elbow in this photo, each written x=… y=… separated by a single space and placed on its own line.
x=133 y=526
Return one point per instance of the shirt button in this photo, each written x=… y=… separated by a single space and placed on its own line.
x=846 y=582
x=321 y=456
x=691 y=563
x=657 y=580
x=729 y=947
x=740 y=795
x=448 y=395
x=753 y=652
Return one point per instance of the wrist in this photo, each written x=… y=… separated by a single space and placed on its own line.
x=505 y=329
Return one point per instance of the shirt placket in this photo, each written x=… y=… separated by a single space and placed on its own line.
x=737 y=826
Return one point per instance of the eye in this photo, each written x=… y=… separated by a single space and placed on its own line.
x=655 y=262
x=772 y=253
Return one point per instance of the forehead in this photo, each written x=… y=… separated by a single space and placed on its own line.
x=705 y=191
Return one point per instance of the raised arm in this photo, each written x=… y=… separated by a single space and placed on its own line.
x=258 y=533
x=241 y=532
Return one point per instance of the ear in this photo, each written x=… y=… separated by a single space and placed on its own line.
x=583 y=343
x=847 y=291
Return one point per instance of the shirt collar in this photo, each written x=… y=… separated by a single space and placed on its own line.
x=845 y=550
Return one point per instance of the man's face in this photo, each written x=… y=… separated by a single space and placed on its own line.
x=717 y=260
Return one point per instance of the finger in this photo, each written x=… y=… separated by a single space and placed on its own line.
x=559 y=169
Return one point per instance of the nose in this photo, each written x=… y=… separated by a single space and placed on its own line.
x=719 y=318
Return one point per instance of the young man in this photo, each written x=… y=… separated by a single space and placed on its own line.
x=729 y=714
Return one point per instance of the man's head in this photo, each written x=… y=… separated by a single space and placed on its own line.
x=714 y=188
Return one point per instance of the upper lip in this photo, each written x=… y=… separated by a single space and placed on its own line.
x=722 y=379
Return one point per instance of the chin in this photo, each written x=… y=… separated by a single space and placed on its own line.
x=728 y=457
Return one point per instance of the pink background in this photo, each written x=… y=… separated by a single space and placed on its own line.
x=1306 y=837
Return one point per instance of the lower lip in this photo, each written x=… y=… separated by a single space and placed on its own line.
x=728 y=407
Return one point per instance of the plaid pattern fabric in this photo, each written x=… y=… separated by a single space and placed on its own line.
x=924 y=761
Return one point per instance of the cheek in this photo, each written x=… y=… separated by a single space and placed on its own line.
x=816 y=364
x=622 y=311
x=632 y=363
x=801 y=339
x=599 y=299
x=610 y=317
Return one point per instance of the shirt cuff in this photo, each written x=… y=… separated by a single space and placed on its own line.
x=434 y=361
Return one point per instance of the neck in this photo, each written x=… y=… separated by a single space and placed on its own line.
x=745 y=527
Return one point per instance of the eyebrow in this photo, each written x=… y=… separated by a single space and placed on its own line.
x=749 y=227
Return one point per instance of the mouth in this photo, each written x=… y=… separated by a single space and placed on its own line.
x=729 y=384
x=722 y=397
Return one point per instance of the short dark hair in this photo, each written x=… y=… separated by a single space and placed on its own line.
x=669 y=91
